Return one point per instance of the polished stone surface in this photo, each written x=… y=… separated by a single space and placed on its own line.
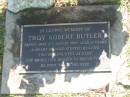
x=68 y=47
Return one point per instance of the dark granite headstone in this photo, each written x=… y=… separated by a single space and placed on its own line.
x=72 y=47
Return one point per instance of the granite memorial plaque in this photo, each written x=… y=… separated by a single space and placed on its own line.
x=69 y=47
x=60 y=47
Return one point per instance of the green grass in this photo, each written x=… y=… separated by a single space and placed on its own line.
x=128 y=6
x=58 y=95
x=127 y=96
x=109 y=2
x=128 y=53
x=2 y=30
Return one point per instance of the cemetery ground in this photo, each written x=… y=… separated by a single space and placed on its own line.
x=113 y=93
